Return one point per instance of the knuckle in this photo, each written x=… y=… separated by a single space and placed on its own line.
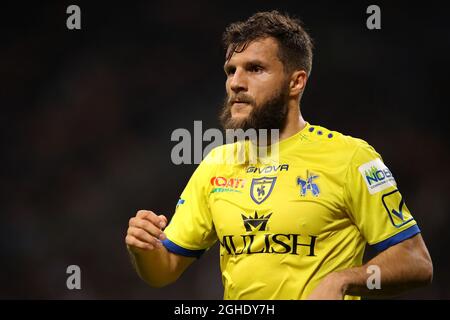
x=129 y=240
x=134 y=232
x=151 y=214
x=142 y=224
x=130 y=231
x=142 y=213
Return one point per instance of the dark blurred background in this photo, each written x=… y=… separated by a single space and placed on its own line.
x=87 y=115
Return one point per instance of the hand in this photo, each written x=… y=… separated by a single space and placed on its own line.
x=145 y=230
x=332 y=287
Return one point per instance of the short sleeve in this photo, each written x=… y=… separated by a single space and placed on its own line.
x=374 y=202
x=191 y=230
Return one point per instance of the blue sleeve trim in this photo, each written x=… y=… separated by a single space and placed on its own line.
x=174 y=248
x=399 y=237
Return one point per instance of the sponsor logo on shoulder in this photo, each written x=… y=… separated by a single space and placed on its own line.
x=396 y=208
x=377 y=176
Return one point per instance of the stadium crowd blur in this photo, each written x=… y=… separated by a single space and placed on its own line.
x=87 y=116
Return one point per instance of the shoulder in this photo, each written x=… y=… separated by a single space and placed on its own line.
x=343 y=146
x=338 y=139
x=224 y=157
x=219 y=155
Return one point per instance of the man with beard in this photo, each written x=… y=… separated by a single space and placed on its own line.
x=295 y=228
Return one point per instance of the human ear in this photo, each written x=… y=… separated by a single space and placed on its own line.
x=298 y=82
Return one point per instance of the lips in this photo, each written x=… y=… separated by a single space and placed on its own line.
x=239 y=108
x=239 y=102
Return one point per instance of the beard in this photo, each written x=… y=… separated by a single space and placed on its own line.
x=271 y=114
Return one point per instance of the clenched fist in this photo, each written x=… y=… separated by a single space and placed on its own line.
x=145 y=230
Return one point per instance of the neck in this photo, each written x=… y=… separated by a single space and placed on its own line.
x=294 y=123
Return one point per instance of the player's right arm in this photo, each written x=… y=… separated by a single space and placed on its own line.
x=160 y=257
x=153 y=262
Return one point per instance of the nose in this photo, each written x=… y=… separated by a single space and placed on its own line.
x=238 y=81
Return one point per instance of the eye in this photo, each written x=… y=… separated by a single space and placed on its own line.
x=256 y=68
x=230 y=71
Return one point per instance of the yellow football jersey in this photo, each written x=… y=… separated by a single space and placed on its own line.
x=284 y=226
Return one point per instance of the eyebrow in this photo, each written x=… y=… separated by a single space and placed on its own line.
x=253 y=62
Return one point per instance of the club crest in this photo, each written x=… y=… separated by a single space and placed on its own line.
x=261 y=188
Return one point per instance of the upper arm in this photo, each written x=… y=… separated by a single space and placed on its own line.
x=414 y=244
x=374 y=201
x=191 y=230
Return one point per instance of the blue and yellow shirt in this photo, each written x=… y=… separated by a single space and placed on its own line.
x=284 y=225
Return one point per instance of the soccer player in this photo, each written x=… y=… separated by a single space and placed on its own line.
x=296 y=229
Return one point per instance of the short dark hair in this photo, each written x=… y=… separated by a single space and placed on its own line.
x=295 y=44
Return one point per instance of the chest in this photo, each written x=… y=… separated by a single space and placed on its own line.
x=282 y=199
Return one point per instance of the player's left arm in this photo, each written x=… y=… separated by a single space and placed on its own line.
x=378 y=210
x=402 y=267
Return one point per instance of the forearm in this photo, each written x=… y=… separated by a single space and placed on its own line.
x=155 y=267
x=400 y=269
x=361 y=281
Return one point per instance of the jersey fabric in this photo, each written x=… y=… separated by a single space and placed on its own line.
x=283 y=226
